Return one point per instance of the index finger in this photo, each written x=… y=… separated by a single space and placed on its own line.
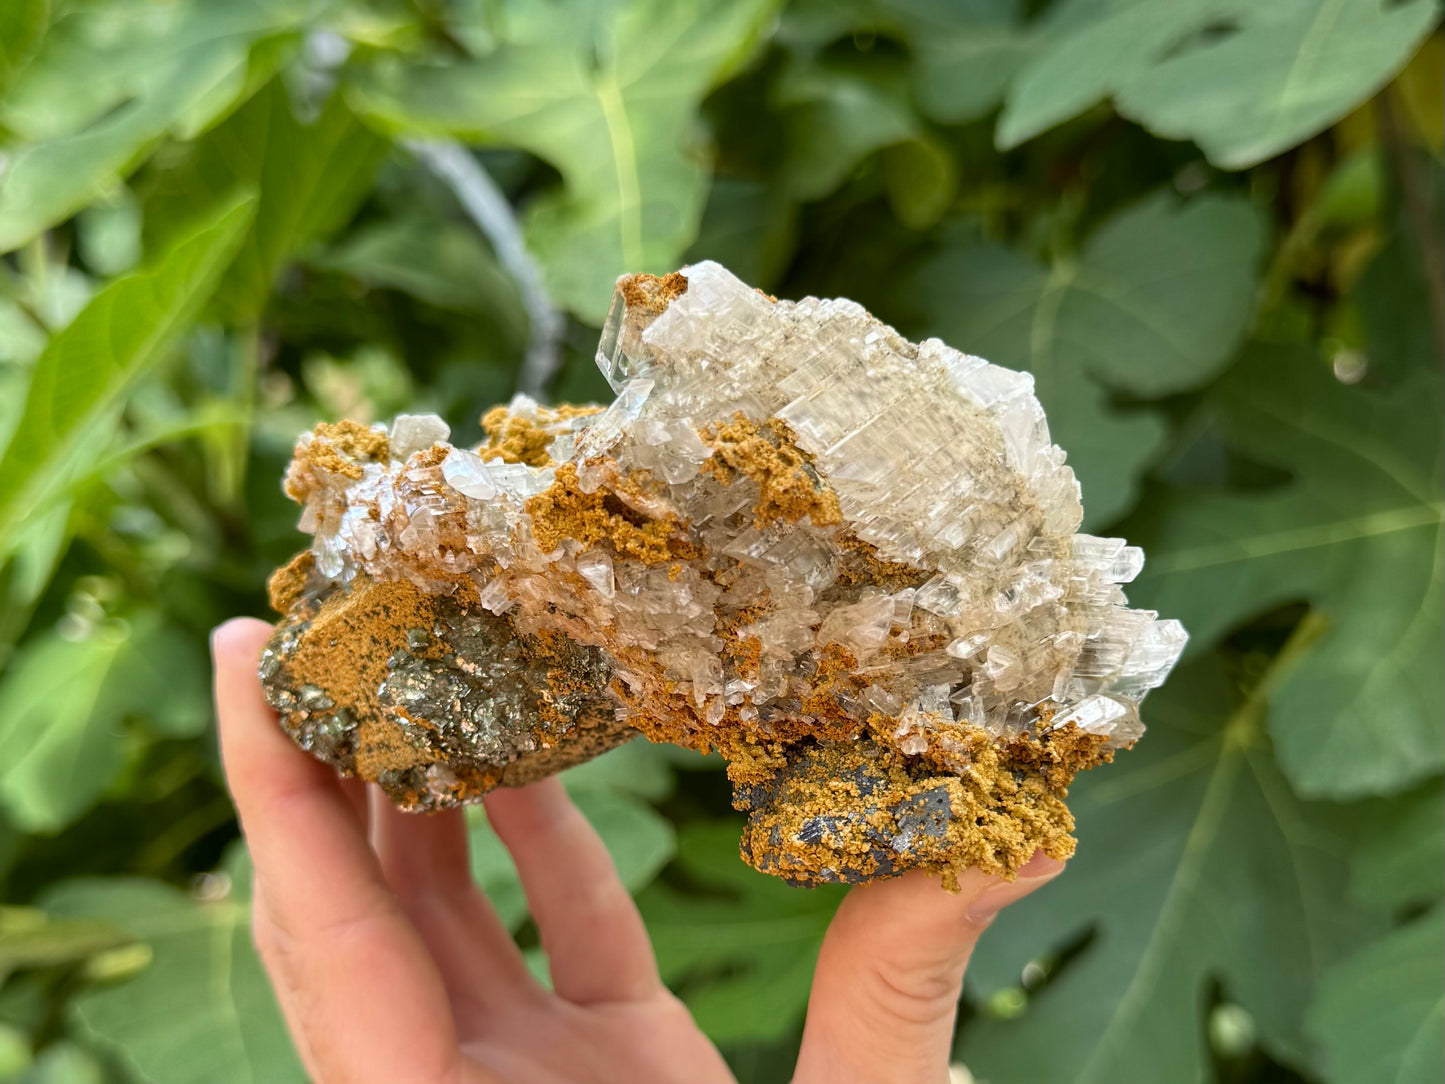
x=365 y=992
x=886 y=987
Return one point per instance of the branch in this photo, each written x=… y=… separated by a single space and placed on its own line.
x=492 y=214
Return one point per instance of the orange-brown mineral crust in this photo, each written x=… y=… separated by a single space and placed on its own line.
x=767 y=454
x=566 y=512
x=515 y=438
x=651 y=294
x=338 y=448
x=848 y=563
x=872 y=804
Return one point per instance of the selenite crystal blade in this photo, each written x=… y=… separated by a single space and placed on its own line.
x=845 y=561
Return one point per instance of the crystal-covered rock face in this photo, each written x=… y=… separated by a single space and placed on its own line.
x=848 y=562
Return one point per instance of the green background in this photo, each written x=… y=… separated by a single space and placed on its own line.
x=1211 y=229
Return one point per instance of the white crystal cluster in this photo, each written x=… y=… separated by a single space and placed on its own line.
x=939 y=460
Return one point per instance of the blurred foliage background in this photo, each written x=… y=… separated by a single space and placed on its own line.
x=1211 y=229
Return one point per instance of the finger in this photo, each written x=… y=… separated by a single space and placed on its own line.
x=263 y=936
x=368 y=1001
x=890 y=971
x=597 y=947
x=358 y=799
x=425 y=858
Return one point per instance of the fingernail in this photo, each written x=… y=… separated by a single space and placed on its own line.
x=995 y=898
x=217 y=633
x=1041 y=865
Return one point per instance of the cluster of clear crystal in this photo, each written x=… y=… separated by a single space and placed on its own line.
x=939 y=460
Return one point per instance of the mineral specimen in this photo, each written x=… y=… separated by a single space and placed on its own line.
x=847 y=562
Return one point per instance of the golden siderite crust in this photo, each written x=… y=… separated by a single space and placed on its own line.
x=706 y=562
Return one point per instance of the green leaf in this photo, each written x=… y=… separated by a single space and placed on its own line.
x=89 y=366
x=1243 y=80
x=15 y=1052
x=966 y=53
x=638 y=768
x=610 y=102
x=1195 y=863
x=434 y=260
x=1105 y=47
x=166 y=678
x=1287 y=73
x=22 y=25
x=21 y=340
x=834 y=117
x=57 y=748
x=65 y=1063
x=749 y=227
x=1153 y=304
x=202 y=1011
x=108 y=233
x=921 y=178
x=1380 y=1016
x=1398 y=850
x=1394 y=294
x=62 y=703
x=111 y=80
x=1357 y=533
x=310 y=176
x=741 y=951
x=38 y=546
x=31 y=938
x=9 y=844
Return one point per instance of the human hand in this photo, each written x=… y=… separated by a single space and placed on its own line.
x=391 y=966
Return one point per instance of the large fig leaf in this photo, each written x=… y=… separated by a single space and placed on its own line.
x=1357 y=533
x=1243 y=80
x=611 y=103
x=1398 y=846
x=1154 y=303
x=1380 y=1016
x=1195 y=863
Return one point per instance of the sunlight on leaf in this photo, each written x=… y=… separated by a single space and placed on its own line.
x=108 y=83
x=610 y=104
x=86 y=370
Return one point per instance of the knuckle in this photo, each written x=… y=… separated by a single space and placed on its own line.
x=914 y=996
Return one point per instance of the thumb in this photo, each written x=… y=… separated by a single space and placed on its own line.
x=886 y=988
